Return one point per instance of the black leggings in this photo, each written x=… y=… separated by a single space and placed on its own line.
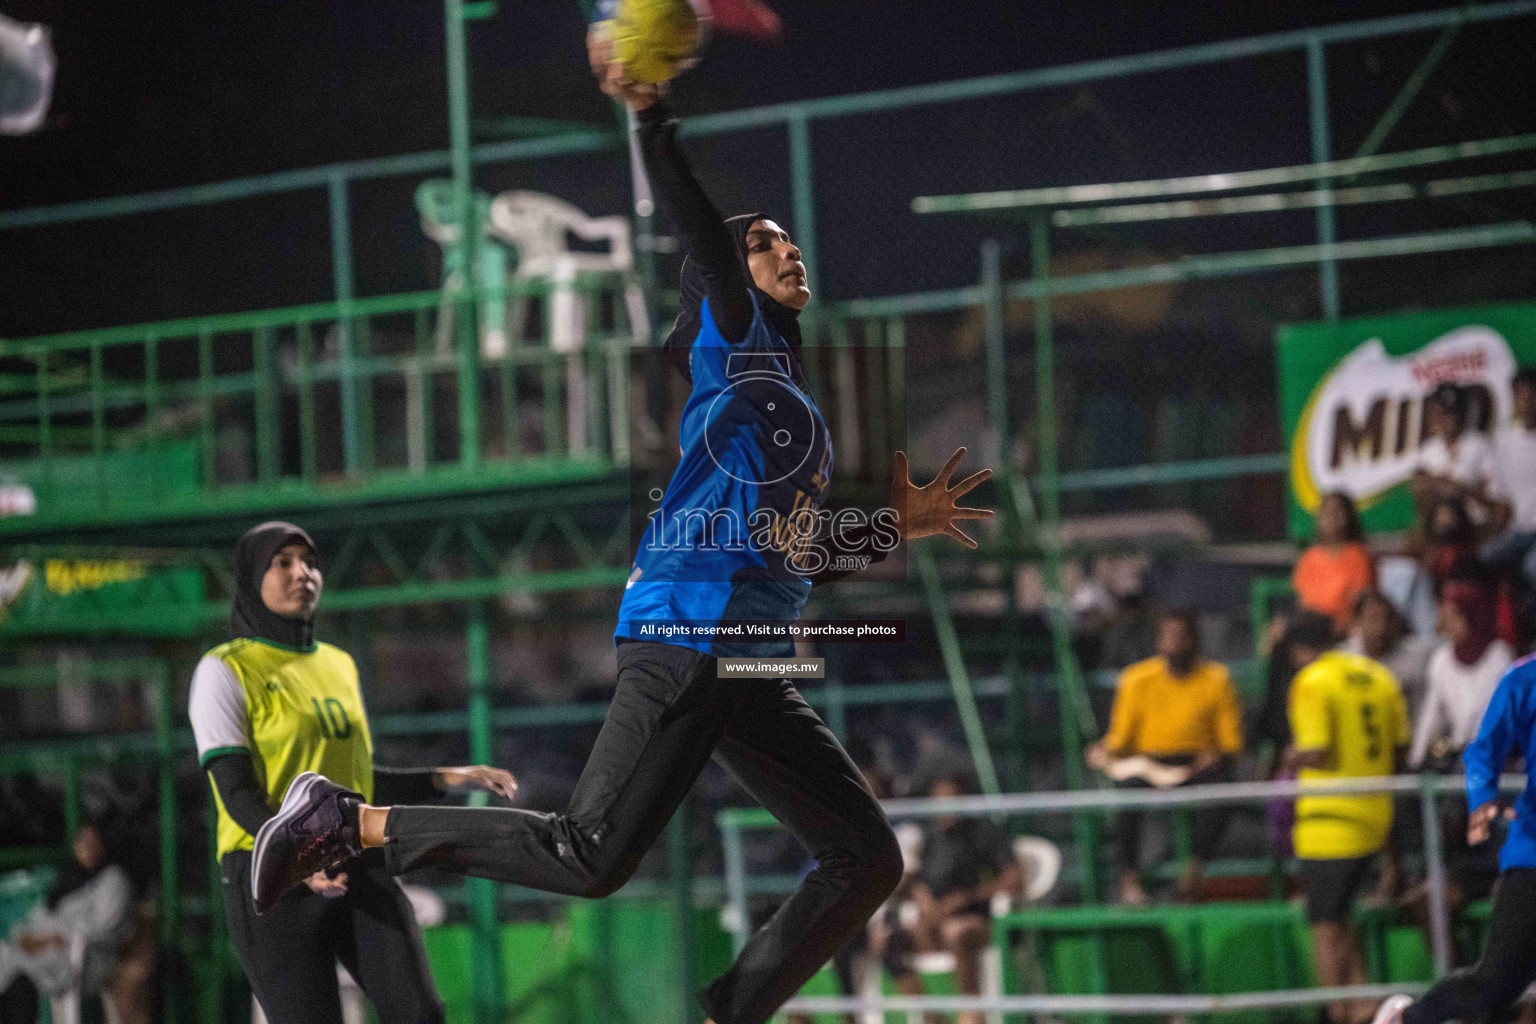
x=1205 y=831
x=290 y=952
x=1508 y=965
x=19 y=1002
x=670 y=712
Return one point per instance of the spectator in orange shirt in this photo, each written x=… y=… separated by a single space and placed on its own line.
x=1338 y=566
x=1175 y=710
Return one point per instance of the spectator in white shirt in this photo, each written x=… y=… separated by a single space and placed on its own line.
x=1454 y=462
x=1463 y=673
x=1513 y=492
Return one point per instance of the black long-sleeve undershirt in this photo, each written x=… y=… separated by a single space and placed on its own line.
x=245 y=801
x=712 y=249
x=235 y=779
x=709 y=242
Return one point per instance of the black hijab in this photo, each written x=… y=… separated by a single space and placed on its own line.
x=250 y=616
x=694 y=286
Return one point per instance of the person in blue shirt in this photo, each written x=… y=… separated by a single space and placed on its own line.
x=738 y=540
x=1508 y=964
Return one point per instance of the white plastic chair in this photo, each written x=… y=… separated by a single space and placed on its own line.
x=439 y=222
x=537 y=226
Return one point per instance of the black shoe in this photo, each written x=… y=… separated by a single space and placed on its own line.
x=309 y=833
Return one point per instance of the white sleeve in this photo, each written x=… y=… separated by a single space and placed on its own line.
x=217 y=709
x=1432 y=713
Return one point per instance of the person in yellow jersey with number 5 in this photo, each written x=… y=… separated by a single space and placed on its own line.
x=1348 y=720
x=267 y=706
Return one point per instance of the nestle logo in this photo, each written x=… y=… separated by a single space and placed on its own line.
x=1457 y=366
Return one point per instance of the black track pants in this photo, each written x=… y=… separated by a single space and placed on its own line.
x=1207 y=828
x=290 y=952
x=1507 y=967
x=670 y=713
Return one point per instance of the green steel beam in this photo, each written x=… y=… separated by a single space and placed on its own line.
x=165 y=751
x=802 y=178
x=341 y=274
x=169 y=620
x=1001 y=459
x=680 y=868
x=485 y=957
x=35 y=677
x=292 y=496
x=1273 y=202
x=1327 y=229
x=1197 y=267
x=1410 y=90
x=50 y=753
x=1098 y=70
x=519 y=127
x=488 y=588
x=465 y=318
x=1318 y=170
x=1173 y=472
x=954 y=664
x=223 y=323
x=1068 y=675
x=739 y=120
x=1232 y=264
x=313 y=177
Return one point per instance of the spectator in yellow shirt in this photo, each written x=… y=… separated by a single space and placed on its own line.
x=1348 y=720
x=1178 y=711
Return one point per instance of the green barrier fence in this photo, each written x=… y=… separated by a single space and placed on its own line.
x=1097 y=922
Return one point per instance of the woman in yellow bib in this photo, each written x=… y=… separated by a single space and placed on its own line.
x=265 y=707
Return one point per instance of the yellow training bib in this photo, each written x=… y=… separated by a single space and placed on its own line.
x=305 y=713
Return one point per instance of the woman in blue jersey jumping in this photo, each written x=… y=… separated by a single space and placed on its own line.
x=1508 y=964
x=734 y=545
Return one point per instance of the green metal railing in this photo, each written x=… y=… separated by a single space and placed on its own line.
x=70 y=758
x=359 y=401
x=192 y=416
x=1429 y=789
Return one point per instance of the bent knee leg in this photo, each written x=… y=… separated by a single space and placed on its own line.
x=606 y=875
x=871 y=867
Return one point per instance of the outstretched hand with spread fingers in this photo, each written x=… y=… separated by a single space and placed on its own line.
x=496 y=781
x=931 y=509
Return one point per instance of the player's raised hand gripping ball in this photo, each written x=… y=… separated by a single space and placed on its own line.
x=654 y=41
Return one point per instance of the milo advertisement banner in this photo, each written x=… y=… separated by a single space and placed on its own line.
x=1352 y=394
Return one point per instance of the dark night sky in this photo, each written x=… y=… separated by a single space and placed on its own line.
x=154 y=96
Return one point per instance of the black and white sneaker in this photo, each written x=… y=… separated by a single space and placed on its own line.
x=310 y=832
x=1391 y=1009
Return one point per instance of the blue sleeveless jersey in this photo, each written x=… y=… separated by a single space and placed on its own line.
x=729 y=542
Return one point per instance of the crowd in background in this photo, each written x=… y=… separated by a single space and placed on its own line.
x=1419 y=638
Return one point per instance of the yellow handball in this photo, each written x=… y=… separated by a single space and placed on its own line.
x=655 y=40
